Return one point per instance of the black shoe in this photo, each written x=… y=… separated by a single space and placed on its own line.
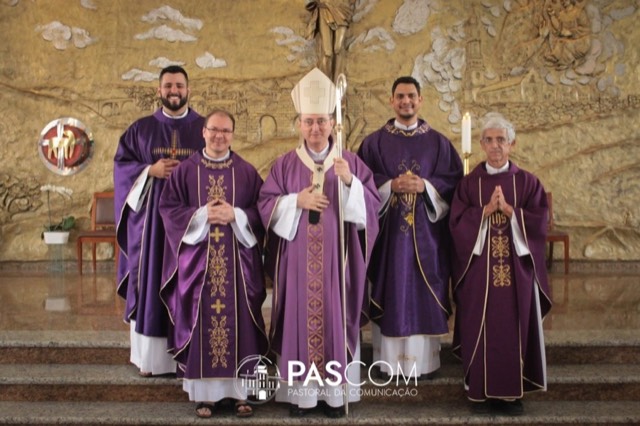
x=334 y=412
x=428 y=376
x=295 y=411
x=480 y=407
x=509 y=408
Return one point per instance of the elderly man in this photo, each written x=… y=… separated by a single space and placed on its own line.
x=300 y=204
x=498 y=224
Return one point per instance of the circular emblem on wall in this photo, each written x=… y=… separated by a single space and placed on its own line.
x=65 y=146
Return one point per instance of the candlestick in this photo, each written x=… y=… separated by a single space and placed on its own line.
x=466 y=133
x=465 y=162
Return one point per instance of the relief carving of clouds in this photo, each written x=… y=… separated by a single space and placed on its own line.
x=162 y=62
x=63 y=36
x=363 y=7
x=88 y=4
x=167 y=13
x=412 y=16
x=136 y=74
x=300 y=49
x=164 y=32
x=374 y=40
x=209 y=61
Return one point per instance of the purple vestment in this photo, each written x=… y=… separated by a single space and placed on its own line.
x=214 y=289
x=500 y=296
x=307 y=319
x=410 y=264
x=141 y=234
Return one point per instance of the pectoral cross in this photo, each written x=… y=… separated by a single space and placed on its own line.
x=218 y=306
x=174 y=144
x=216 y=234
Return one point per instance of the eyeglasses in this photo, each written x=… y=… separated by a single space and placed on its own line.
x=321 y=122
x=215 y=130
x=501 y=141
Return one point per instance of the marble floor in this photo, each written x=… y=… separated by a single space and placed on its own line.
x=593 y=302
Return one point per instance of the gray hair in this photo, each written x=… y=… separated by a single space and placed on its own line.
x=494 y=120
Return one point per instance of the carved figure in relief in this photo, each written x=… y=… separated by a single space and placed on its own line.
x=330 y=20
x=567 y=29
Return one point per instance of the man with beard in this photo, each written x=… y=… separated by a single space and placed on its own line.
x=147 y=153
x=416 y=170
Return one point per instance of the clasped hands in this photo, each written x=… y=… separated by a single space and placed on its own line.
x=408 y=184
x=498 y=203
x=219 y=212
x=309 y=200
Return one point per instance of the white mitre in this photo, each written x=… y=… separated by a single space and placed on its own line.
x=315 y=93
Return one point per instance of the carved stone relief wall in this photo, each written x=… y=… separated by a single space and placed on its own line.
x=564 y=71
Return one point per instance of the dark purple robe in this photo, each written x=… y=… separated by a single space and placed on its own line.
x=214 y=289
x=141 y=234
x=307 y=318
x=497 y=330
x=410 y=264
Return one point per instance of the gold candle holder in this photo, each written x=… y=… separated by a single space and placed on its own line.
x=465 y=162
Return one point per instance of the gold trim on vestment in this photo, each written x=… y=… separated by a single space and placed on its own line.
x=172 y=152
x=424 y=128
x=500 y=250
x=218 y=282
x=315 y=301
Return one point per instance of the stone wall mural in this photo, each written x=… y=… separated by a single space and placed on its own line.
x=564 y=71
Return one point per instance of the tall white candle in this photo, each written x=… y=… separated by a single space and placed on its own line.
x=466 y=133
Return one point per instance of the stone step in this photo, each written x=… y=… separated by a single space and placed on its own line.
x=546 y=413
x=66 y=382
x=113 y=348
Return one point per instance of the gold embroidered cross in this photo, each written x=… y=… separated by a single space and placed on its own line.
x=218 y=306
x=216 y=234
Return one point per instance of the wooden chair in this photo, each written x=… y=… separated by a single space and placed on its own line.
x=103 y=227
x=555 y=236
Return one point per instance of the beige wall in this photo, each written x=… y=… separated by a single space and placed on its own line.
x=569 y=82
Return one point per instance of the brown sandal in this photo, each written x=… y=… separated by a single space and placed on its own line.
x=243 y=409
x=200 y=406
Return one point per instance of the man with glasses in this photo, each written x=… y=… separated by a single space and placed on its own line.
x=300 y=205
x=214 y=284
x=498 y=223
x=148 y=152
x=416 y=170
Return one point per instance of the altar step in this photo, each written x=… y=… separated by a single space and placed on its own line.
x=542 y=413
x=85 y=379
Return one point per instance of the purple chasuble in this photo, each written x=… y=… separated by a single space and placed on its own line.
x=410 y=264
x=214 y=289
x=307 y=318
x=497 y=332
x=141 y=234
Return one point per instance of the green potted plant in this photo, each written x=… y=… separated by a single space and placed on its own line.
x=57 y=232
